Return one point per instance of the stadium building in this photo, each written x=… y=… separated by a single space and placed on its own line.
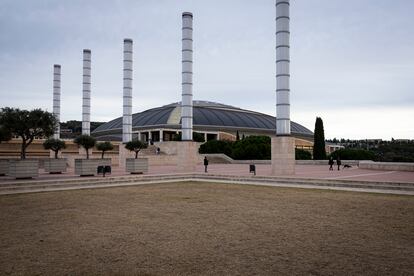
x=214 y=121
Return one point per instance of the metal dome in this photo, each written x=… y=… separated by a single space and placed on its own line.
x=206 y=114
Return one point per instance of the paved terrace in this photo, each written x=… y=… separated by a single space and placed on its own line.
x=302 y=172
x=307 y=176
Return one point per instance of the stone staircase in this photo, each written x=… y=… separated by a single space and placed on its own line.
x=30 y=186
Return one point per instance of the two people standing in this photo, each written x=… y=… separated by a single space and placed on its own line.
x=331 y=163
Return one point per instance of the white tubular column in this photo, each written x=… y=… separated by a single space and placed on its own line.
x=282 y=68
x=127 y=92
x=86 y=92
x=56 y=98
x=283 y=144
x=187 y=77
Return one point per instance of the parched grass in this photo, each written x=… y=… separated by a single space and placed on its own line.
x=210 y=229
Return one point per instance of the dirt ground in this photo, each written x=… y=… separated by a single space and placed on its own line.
x=208 y=229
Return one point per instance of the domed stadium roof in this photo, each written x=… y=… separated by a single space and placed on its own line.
x=206 y=115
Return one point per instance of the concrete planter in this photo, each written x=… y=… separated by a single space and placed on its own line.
x=4 y=167
x=139 y=165
x=55 y=165
x=26 y=168
x=88 y=167
x=104 y=162
x=85 y=167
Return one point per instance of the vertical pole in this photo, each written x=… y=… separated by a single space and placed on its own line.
x=187 y=77
x=56 y=98
x=127 y=92
x=282 y=68
x=86 y=92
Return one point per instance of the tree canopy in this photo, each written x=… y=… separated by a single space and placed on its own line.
x=319 y=152
x=104 y=146
x=55 y=145
x=28 y=125
x=136 y=146
x=86 y=141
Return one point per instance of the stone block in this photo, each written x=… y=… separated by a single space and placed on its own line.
x=27 y=168
x=53 y=165
x=283 y=155
x=139 y=165
x=187 y=156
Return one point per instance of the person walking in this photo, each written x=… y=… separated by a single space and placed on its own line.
x=331 y=162
x=338 y=162
x=205 y=163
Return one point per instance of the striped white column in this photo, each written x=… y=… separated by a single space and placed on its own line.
x=282 y=68
x=56 y=98
x=187 y=77
x=127 y=92
x=86 y=92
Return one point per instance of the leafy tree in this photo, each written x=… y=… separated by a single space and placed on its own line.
x=104 y=146
x=216 y=146
x=55 y=145
x=301 y=154
x=86 y=141
x=353 y=154
x=252 y=147
x=28 y=125
x=136 y=146
x=5 y=134
x=319 y=152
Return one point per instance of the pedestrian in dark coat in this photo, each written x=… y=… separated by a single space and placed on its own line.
x=338 y=162
x=205 y=163
x=331 y=162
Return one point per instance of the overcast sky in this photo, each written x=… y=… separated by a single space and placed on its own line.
x=352 y=61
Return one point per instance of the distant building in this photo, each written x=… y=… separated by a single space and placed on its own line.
x=213 y=120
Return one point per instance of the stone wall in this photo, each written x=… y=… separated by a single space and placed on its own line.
x=386 y=166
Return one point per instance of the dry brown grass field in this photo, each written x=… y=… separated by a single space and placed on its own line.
x=206 y=229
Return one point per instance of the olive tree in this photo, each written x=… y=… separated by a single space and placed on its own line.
x=55 y=145
x=28 y=125
x=86 y=141
x=104 y=146
x=136 y=146
x=5 y=134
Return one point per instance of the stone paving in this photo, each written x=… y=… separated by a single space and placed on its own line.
x=302 y=171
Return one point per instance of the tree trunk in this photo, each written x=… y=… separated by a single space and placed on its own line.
x=136 y=154
x=56 y=154
x=103 y=152
x=87 y=153
x=23 y=151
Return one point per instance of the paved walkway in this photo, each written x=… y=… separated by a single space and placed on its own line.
x=302 y=171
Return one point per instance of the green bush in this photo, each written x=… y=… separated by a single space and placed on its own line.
x=354 y=154
x=216 y=146
x=252 y=148
x=395 y=152
x=301 y=154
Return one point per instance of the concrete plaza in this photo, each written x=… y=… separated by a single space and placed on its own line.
x=302 y=172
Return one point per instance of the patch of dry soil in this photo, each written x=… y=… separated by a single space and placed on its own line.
x=210 y=229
